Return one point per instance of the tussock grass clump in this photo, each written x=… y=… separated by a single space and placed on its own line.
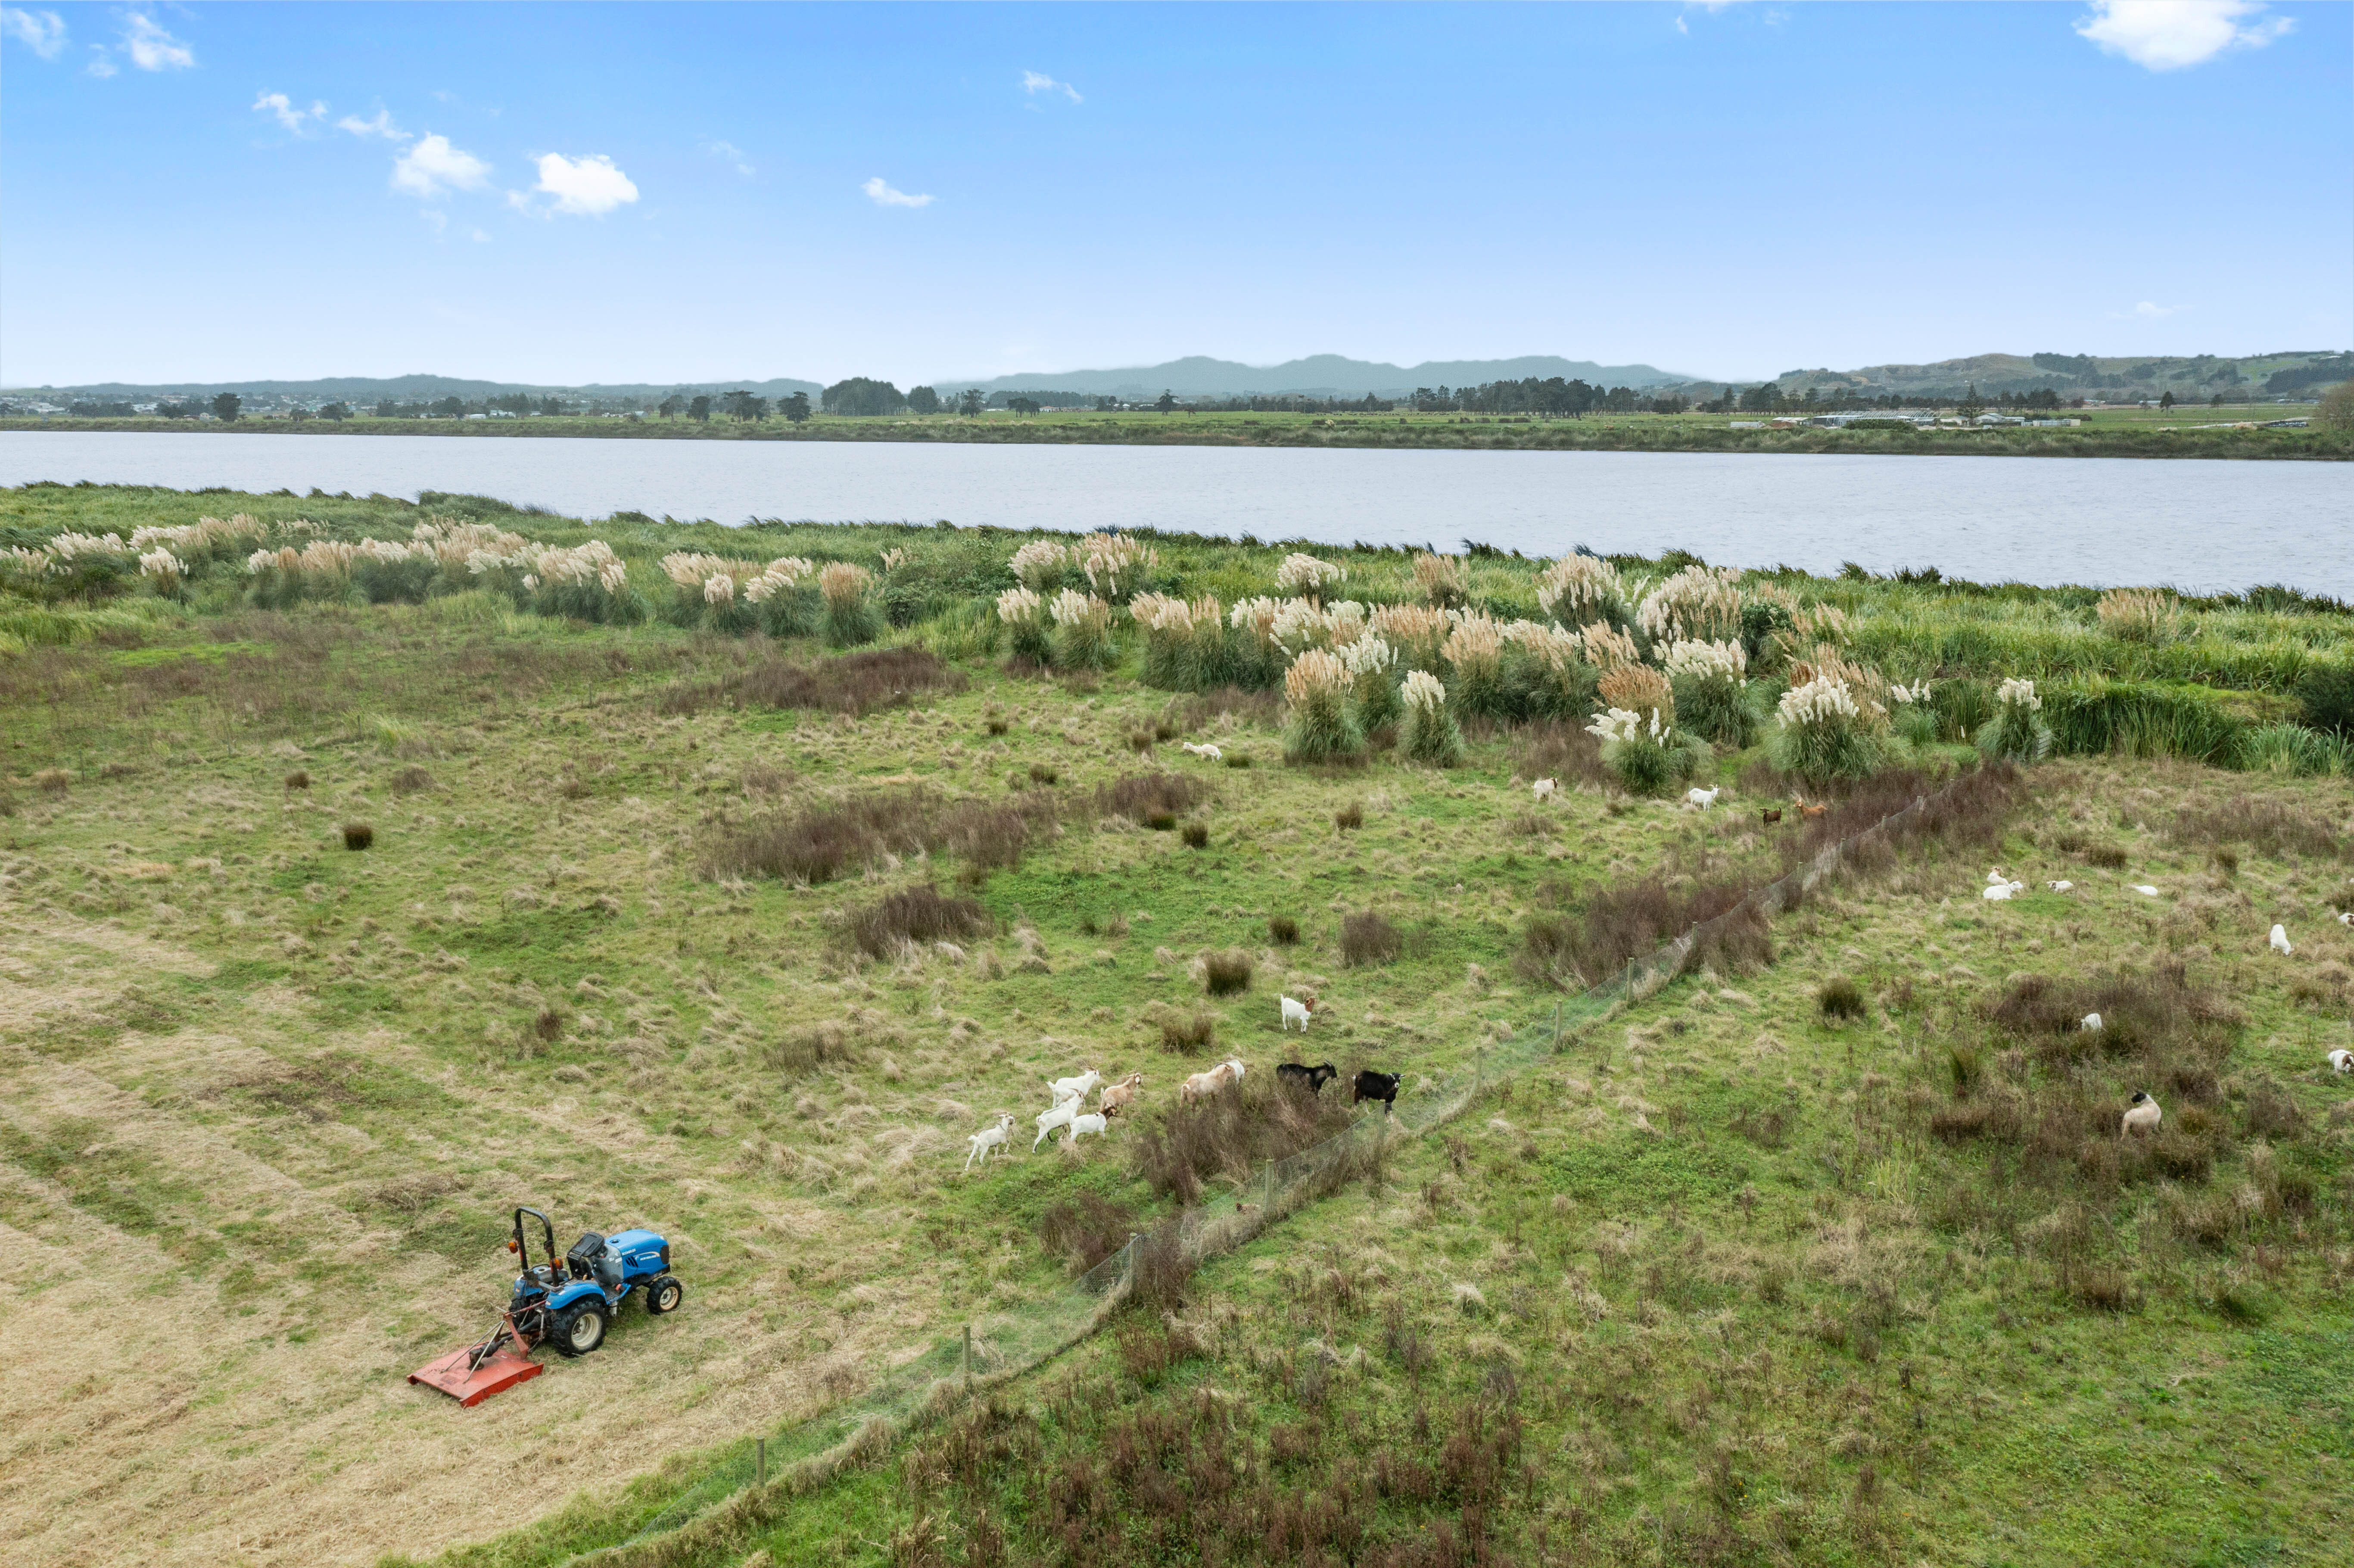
x=2325 y=696
x=1369 y=939
x=1231 y=1135
x=821 y=843
x=1560 y=751
x=2269 y=827
x=411 y=779
x=854 y=683
x=1319 y=724
x=298 y=779
x=358 y=835
x=1044 y=773
x=1282 y=930
x=850 y=616
x=1824 y=736
x=2017 y=732
x=1187 y=1033
x=1196 y=835
x=1623 y=923
x=1141 y=796
x=915 y=916
x=1085 y=1231
x=1429 y=734
x=1839 y=998
x=53 y=780
x=1227 y=973
x=1161 y=821
x=1350 y=817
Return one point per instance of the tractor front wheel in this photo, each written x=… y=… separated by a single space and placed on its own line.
x=664 y=1296
x=580 y=1329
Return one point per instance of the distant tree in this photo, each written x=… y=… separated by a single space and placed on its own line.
x=335 y=413
x=1105 y=404
x=2216 y=401
x=671 y=407
x=2166 y=400
x=549 y=408
x=2337 y=410
x=169 y=410
x=385 y=408
x=225 y=407
x=1022 y=405
x=1971 y=405
x=449 y=408
x=796 y=408
x=700 y=410
x=971 y=403
x=923 y=400
x=1166 y=402
x=745 y=408
x=861 y=396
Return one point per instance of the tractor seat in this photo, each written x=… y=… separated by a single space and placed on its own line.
x=586 y=1254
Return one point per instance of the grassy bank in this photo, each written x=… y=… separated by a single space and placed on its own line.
x=2105 y=433
x=736 y=911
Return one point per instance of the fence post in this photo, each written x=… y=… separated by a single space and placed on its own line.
x=968 y=1359
x=760 y=1447
x=1556 y=1026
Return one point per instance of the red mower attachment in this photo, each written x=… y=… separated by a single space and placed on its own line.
x=472 y=1375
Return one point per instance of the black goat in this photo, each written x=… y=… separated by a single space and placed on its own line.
x=1372 y=1085
x=1312 y=1079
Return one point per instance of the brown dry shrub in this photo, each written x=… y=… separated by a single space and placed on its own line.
x=1227 y=973
x=53 y=780
x=1369 y=939
x=1188 y=1033
x=853 y=683
x=358 y=835
x=823 y=842
x=1200 y=710
x=2271 y=828
x=1560 y=750
x=1231 y=1135
x=410 y=780
x=915 y=916
x=298 y=779
x=1282 y=930
x=1086 y=1231
x=1350 y=817
x=1619 y=924
x=2141 y=1015
x=1140 y=796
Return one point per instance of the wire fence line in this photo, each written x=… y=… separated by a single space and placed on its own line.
x=752 y=1482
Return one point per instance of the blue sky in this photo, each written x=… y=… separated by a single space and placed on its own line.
x=570 y=193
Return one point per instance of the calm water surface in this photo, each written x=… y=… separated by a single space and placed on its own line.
x=2200 y=525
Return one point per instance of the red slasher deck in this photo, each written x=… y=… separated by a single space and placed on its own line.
x=500 y=1370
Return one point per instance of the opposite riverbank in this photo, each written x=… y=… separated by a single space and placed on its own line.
x=2107 y=433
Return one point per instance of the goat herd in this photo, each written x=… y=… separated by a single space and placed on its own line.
x=1069 y=1110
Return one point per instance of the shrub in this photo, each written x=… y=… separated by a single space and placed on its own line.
x=1196 y=835
x=1318 y=724
x=2293 y=750
x=1044 y=773
x=1565 y=752
x=358 y=835
x=410 y=780
x=1707 y=689
x=2325 y=696
x=1619 y=924
x=298 y=779
x=914 y=915
x=1350 y=818
x=1282 y=930
x=1140 y=796
x=853 y=684
x=1429 y=734
x=821 y=843
x=1086 y=1231
x=2017 y=732
x=53 y=780
x=1081 y=631
x=1368 y=938
x=1649 y=755
x=1188 y=1034
x=1823 y=735
x=2272 y=828
x=1227 y=973
x=1231 y=1135
x=1839 y=998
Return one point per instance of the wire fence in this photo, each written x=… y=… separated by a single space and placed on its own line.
x=1005 y=1344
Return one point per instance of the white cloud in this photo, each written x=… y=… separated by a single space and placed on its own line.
x=2149 y=311
x=99 y=66
x=43 y=32
x=381 y=125
x=1038 y=81
x=732 y=153
x=589 y=186
x=151 y=47
x=481 y=238
x=1682 y=28
x=433 y=167
x=288 y=115
x=884 y=196
x=2168 y=34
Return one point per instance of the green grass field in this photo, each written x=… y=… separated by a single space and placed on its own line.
x=1732 y=1278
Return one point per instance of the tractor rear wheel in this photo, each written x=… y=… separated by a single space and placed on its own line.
x=664 y=1295
x=580 y=1329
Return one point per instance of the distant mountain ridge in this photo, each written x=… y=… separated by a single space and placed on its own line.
x=1320 y=375
x=371 y=389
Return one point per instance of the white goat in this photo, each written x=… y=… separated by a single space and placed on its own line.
x=2144 y=888
x=1117 y=1098
x=2142 y=1116
x=1200 y=1085
x=2092 y=1021
x=2062 y=886
x=2280 y=941
x=1092 y=1121
x=1206 y=752
x=1062 y=1115
x=1545 y=789
x=989 y=1138
x=1703 y=798
x=1076 y=1088
x=2346 y=918
x=1301 y=1010
x=1998 y=891
x=2341 y=1060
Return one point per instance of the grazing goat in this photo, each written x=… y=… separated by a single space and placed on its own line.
x=1206 y=752
x=1372 y=1085
x=1545 y=789
x=1062 y=1115
x=1200 y=1085
x=1312 y=1079
x=1998 y=891
x=2062 y=886
x=1076 y=1088
x=2280 y=941
x=1084 y=1123
x=2144 y=888
x=1702 y=798
x=1302 y=1010
x=2346 y=918
x=1811 y=813
x=989 y=1138
x=1117 y=1098
x=2142 y=1116
x=2089 y=1021
x=2341 y=1060
x=1771 y=815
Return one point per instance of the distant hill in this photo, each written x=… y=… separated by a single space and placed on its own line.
x=370 y=389
x=1322 y=376
x=2295 y=373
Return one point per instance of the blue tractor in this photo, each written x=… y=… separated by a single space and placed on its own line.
x=568 y=1302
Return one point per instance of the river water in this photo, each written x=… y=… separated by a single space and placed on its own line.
x=2199 y=525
